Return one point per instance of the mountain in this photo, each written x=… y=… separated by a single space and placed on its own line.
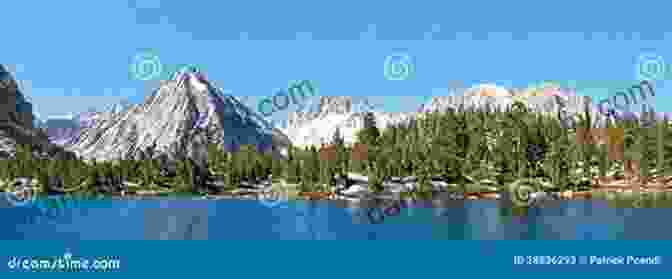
x=545 y=100
x=317 y=126
x=119 y=107
x=62 y=130
x=182 y=115
x=17 y=123
x=65 y=129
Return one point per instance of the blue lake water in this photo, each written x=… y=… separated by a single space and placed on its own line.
x=249 y=220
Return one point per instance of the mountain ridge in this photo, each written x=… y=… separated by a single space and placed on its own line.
x=315 y=128
x=17 y=125
x=172 y=116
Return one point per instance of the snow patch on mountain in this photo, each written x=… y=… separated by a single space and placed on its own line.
x=317 y=127
x=314 y=128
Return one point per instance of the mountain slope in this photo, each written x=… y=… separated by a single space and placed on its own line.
x=16 y=123
x=172 y=118
x=314 y=128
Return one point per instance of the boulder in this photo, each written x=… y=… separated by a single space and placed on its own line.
x=357 y=190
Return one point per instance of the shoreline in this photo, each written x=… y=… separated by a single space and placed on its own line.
x=600 y=185
x=314 y=196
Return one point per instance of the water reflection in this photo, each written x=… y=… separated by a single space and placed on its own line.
x=165 y=219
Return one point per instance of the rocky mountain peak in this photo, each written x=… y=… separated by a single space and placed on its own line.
x=173 y=117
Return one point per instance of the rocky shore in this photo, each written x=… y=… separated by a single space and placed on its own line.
x=353 y=188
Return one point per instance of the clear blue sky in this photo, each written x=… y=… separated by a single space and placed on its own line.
x=72 y=55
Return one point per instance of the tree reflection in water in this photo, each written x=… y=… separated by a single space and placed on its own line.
x=48 y=209
x=376 y=209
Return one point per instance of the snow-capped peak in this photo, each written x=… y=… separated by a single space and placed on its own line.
x=181 y=112
x=193 y=76
x=344 y=114
x=488 y=90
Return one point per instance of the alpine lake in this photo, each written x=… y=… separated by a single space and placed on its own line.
x=601 y=216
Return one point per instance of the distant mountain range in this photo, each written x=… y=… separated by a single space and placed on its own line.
x=64 y=129
x=189 y=103
x=190 y=109
x=346 y=114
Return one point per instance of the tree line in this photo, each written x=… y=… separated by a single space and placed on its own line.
x=464 y=147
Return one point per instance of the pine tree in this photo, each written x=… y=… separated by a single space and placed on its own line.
x=375 y=177
x=124 y=169
x=146 y=170
x=369 y=134
x=188 y=174
x=229 y=179
x=227 y=165
x=314 y=165
x=21 y=162
x=11 y=169
x=43 y=180
x=93 y=175
x=216 y=160
x=66 y=173
x=77 y=172
x=53 y=170
x=4 y=170
x=325 y=170
x=278 y=169
x=306 y=176
x=337 y=137
x=267 y=164
x=257 y=171
x=237 y=164
x=292 y=171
